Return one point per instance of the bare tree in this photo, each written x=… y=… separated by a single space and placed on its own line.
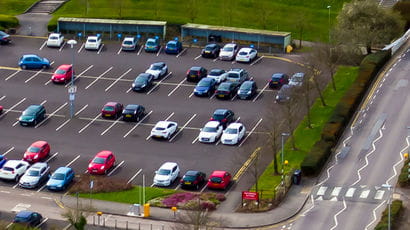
x=194 y=219
x=307 y=96
x=291 y=107
x=301 y=25
x=330 y=56
x=273 y=141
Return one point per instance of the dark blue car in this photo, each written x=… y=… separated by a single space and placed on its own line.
x=3 y=160
x=205 y=87
x=173 y=47
x=32 y=61
x=60 y=179
x=28 y=218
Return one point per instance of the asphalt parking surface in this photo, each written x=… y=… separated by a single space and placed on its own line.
x=106 y=75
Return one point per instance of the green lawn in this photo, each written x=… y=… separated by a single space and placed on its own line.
x=282 y=15
x=14 y=7
x=305 y=138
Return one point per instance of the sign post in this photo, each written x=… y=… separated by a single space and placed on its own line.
x=246 y=195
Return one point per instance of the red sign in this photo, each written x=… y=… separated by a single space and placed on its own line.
x=250 y=195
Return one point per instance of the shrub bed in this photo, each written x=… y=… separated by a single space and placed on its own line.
x=404 y=180
x=101 y=184
x=189 y=200
x=7 y=21
x=395 y=212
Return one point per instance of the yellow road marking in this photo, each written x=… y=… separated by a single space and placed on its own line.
x=26 y=36
x=246 y=164
x=9 y=68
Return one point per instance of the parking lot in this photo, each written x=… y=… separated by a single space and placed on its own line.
x=106 y=75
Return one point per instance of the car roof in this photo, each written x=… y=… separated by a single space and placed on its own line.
x=64 y=66
x=163 y=124
x=132 y=106
x=144 y=75
x=235 y=70
x=24 y=213
x=212 y=124
x=129 y=38
x=235 y=125
x=30 y=55
x=13 y=163
x=39 y=165
x=221 y=111
x=172 y=42
x=63 y=170
x=93 y=36
x=111 y=103
x=211 y=45
x=300 y=74
x=275 y=75
x=34 y=107
x=54 y=34
x=168 y=165
x=158 y=63
x=191 y=173
x=248 y=82
x=103 y=153
x=230 y=45
x=218 y=173
x=38 y=143
x=246 y=49
x=195 y=68
x=151 y=39
x=207 y=79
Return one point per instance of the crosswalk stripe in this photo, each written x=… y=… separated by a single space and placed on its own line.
x=364 y=194
x=350 y=192
x=379 y=195
x=321 y=191
x=336 y=191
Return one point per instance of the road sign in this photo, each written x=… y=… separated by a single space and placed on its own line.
x=72 y=89
x=71 y=96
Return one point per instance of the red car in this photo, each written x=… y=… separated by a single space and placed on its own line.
x=63 y=74
x=1 y=109
x=37 y=151
x=101 y=163
x=112 y=110
x=219 y=180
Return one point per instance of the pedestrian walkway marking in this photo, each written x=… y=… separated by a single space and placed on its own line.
x=336 y=191
x=334 y=199
x=364 y=194
x=321 y=191
x=350 y=192
x=319 y=198
x=20 y=207
x=379 y=195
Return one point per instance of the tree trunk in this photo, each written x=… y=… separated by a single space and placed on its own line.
x=322 y=99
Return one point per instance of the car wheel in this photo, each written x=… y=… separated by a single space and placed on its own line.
x=197 y=187
x=105 y=172
x=24 y=67
x=35 y=122
x=16 y=179
x=44 y=66
x=168 y=135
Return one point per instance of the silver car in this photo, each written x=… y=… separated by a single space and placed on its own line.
x=35 y=175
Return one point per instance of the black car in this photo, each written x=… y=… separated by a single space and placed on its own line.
x=278 y=80
x=32 y=115
x=224 y=116
x=133 y=112
x=193 y=179
x=226 y=90
x=247 y=90
x=142 y=82
x=4 y=38
x=211 y=51
x=28 y=218
x=196 y=73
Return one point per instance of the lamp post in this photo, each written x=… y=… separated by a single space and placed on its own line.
x=328 y=9
x=72 y=89
x=389 y=187
x=282 y=162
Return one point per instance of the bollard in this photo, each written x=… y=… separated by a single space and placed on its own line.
x=163 y=227
x=103 y=222
x=151 y=226
x=126 y=224
x=93 y=220
x=115 y=224
x=139 y=226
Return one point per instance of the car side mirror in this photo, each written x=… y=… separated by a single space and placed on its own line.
x=156 y=172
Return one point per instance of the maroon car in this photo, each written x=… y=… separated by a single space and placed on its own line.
x=112 y=110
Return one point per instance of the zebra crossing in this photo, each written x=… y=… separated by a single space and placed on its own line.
x=362 y=193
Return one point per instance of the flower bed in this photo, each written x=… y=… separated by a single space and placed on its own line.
x=189 y=200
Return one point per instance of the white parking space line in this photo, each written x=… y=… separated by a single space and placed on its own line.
x=42 y=222
x=69 y=163
x=129 y=90
x=159 y=51
x=234 y=97
x=172 y=114
x=9 y=225
x=119 y=51
x=81 y=48
x=190 y=95
x=215 y=59
x=99 y=50
x=233 y=62
x=152 y=185
x=50 y=158
x=249 y=134
x=89 y=123
x=50 y=115
x=112 y=84
x=62 y=46
x=179 y=84
x=101 y=75
x=17 y=184
x=41 y=188
x=158 y=83
x=197 y=57
x=178 y=186
x=135 y=175
x=136 y=125
x=67 y=227
x=11 y=108
x=1 y=98
x=9 y=150
x=82 y=109
x=12 y=75
x=79 y=75
x=257 y=60
x=180 y=53
x=115 y=122
x=196 y=138
x=34 y=75
x=47 y=82
x=260 y=92
x=62 y=125
x=116 y=167
x=180 y=130
x=42 y=46
x=15 y=123
x=139 y=51
x=203 y=188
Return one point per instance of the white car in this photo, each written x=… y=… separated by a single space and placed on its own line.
x=166 y=174
x=218 y=74
x=233 y=134
x=246 y=55
x=210 y=132
x=228 y=52
x=129 y=43
x=55 y=40
x=35 y=175
x=297 y=79
x=158 y=69
x=164 y=129
x=93 y=43
x=13 y=169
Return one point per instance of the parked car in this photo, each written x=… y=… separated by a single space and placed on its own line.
x=129 y=44
x=4 y=38
x=112 y=110
x=93 y=43
x=63 y=74
x=164 y=129
x=60 y=179
x=218 y=74
x=32 y=61
x=297 y=79
x=152 y=45
x=1 y=109
x=142 y=82
x=211 y=132
x=225 y=116
x=101 y=163
x=219 y=180
x=211 y=51
x=55 y=40
x=157 y=69
x=32 y=115
x=284 y=94
x=278 y=80
x=237 y=75
x=226 y=90
x=133 y=112
x=28 y=218
x=246 y=55
x=37 y=151
x=233 y=134
x=228 y=52
x=13 y=169
x=205 y=87
x=35 y=175
x=173 y=47
x=166 y=174
x=3 y=160
x=247 y=90
x=196 y=73
x=193 y=179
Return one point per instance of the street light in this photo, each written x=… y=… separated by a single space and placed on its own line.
x=389 y=203
x=282 y=162
x=328 y=9
x=72 y=89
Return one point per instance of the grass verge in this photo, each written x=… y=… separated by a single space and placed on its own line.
x=15 y=7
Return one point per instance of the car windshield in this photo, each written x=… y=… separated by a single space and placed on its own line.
x=216 y=180
x=33 y=173
x=108 y=108
x=28 y=112
x=164 y=172
x=33 y=149
x=228 y=49
x=243 y=53
x=276 y=77
x=151 y=43
x=7 y=169
x=223 y=87
x=297 y=78
x=53 y=38
x=156 y=67
x=218 y=117
x=99 y=160
x=2 y=33
x=61 y=71
x=159 y=128
x=172 y=45
x=209 y=48
x=91 y=40
x=210 y=129
x=246 y=86
x=231 y=131
x=140 y=80
x=189 y=177
x=204 y=83
x=128 y=42
x=216 y=72
x=233 y=75
x=58 y=176
x=20 y=219
x=129 y=110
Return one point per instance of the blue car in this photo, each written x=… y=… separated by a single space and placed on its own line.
x=3 y=160
x=205 y=87
x=60 y=179
x=173 y=47
x=32 y=61
x=152 y=45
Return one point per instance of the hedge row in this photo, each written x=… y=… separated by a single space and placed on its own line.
x=404 y=180
x=395 y=211
x=343 y=112
x=7 y=21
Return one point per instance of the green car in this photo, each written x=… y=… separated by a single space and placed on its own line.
x=152 y=45
x=32 y=115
